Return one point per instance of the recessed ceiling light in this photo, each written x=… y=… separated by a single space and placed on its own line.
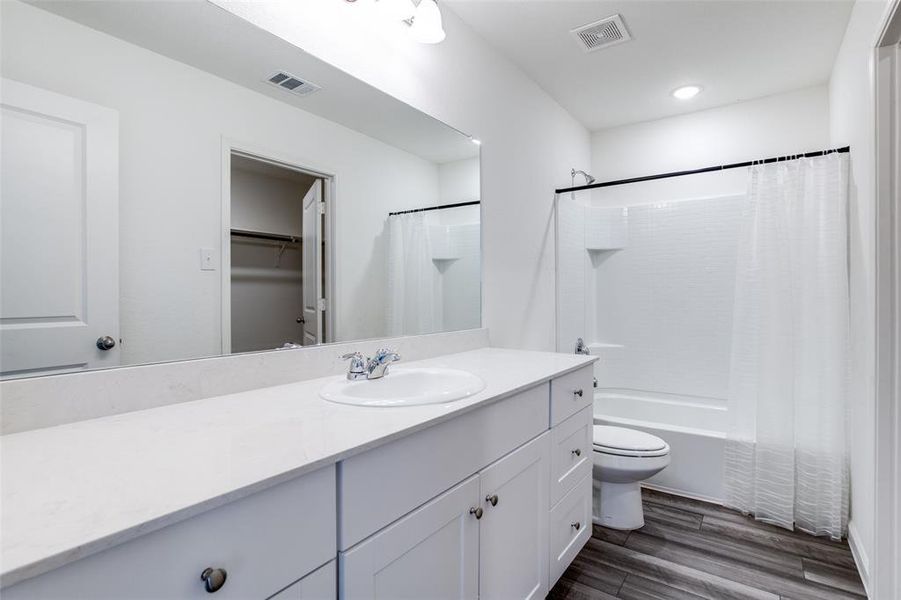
x=687 y=92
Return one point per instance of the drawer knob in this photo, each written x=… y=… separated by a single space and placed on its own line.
x=578 y=393
x=476 y=511
x=577 y=525
x=213 y=579
x=492 y=499
x=577 y=452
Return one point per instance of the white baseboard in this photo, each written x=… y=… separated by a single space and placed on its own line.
x=684 y=494
x=860 y=556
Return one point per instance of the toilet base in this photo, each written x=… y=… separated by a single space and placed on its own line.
x=618 y=505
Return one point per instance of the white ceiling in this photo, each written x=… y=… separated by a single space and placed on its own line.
x=736 y=49
x=207 y=37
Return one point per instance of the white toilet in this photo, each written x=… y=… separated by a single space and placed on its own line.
x=622 y=459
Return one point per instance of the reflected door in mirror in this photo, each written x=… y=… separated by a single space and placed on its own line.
x=59 y=291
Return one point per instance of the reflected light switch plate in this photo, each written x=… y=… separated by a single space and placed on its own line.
x=208 y=259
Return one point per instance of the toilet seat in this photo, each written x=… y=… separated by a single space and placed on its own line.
x=621 y=441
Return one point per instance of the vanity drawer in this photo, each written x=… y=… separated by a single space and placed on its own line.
x=571 y=458
x=380 y=486
x=571 y=393
x=263 y=542
x=570 y=528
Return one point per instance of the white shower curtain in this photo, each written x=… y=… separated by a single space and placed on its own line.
x=412 y=278
x=786 y=452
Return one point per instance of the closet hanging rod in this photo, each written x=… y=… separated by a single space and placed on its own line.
x=747 y=163
x=428 y=208
x=272 y=237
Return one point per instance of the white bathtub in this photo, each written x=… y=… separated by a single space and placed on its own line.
x=694 y=429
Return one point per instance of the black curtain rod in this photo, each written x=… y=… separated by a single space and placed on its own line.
x=704 y=170
x=428 y=208
x=259 y=235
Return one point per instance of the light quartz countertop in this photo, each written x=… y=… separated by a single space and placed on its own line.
x=74 y=490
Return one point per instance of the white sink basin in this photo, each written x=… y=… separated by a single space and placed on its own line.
x=405 y=387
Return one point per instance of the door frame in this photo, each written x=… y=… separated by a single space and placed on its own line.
x=886 y=581
x=329 y=191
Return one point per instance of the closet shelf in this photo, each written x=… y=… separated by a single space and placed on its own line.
x=272 y=237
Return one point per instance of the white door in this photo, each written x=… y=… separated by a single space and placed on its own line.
x=59 y=238
x=513 y=540
x=432 y=553
x=312 y=264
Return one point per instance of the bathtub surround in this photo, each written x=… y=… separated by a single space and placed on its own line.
x=786 y=454
x=433 y=270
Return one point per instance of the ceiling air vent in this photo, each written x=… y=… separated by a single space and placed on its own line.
x=292 y=84
x=601 y=34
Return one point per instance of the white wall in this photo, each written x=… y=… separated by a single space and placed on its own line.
x=458 y=181
x=529 y=142
x=772 y=126
x=852 y=122
x=172 y=122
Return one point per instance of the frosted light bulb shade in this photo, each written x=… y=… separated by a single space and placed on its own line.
x=397 y=10
x=687 y=92
x=427 y=27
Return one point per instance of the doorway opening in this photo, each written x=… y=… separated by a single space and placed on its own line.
x=276 y=267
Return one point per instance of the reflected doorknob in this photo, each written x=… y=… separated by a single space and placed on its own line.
x=106 y=343
x=301 y=320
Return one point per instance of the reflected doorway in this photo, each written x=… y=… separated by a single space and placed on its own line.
x=276 y=249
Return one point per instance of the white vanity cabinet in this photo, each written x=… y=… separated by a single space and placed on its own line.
x=486 y=537
x=263 y=542
x=512 y=470
x=493 y=502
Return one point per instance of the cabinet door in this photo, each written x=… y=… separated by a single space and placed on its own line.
x=431 y=553
x=513 y=541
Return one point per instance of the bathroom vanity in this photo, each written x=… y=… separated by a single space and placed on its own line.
x=278 y=493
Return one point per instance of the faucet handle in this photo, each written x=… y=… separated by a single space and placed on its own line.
x=378 y=364
x=357 y=367
x=383 y=354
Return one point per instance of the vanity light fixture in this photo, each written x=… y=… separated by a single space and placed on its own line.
x=425 y=25
x=422 y=18
x=687 y=92
x=397 y=10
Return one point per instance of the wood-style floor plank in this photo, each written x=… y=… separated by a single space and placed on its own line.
x=691 y=550
x=639 y=588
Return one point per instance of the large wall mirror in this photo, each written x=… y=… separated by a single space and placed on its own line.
x=177 y=183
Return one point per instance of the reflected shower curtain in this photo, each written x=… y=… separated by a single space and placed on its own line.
x=786 y=456
x=412 y=299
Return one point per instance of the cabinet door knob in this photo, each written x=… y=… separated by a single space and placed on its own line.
x=577 y=525
x=492 y=499
x=578 y=392
x=577 y=452
x=106 y=343
x=213 y=579
x=476 y=511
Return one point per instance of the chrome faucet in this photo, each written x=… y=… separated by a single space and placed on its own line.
x=582 y=347
x=378 y=364
x=357 y=368
x=369 y=368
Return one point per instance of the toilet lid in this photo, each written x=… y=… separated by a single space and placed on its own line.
x=627 y=442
